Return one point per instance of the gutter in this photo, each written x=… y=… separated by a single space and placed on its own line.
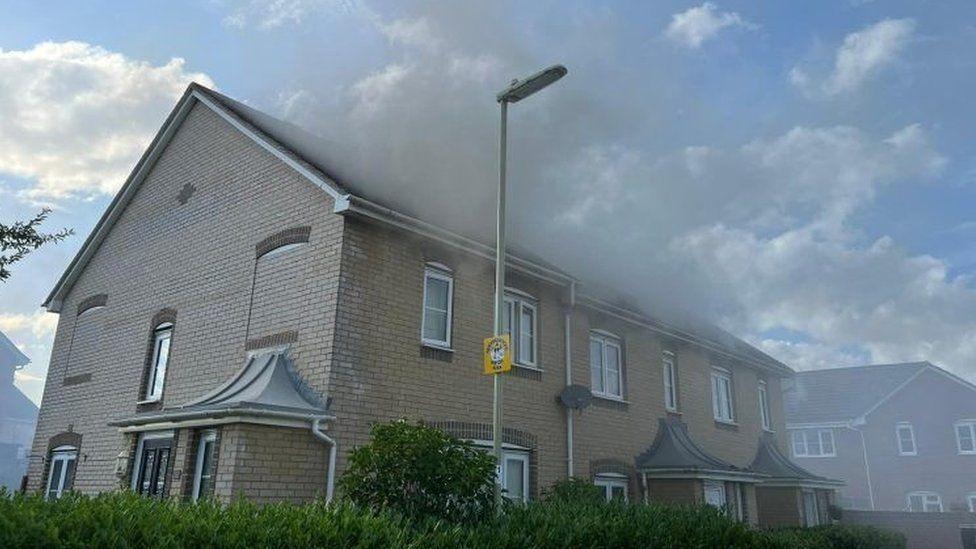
x=333 y=450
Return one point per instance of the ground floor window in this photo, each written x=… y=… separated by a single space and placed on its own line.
x=61 y=476
x=924 y=502
x=152 y=465
x=811 y=510
x=614 y=486
x=727 y=495
x=203 y=471
x=515 y=475
x=971 y=502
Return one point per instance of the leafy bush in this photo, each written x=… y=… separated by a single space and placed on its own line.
x=420 y=472
x=126 y=520
x=575 y=489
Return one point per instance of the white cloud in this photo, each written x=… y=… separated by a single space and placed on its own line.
x=40 y=324
x=76 y=117
x=33 y=334
x=691 y=28
x=271 y=14
x=863 y=55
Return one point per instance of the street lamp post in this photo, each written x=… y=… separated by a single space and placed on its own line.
x=515 y=92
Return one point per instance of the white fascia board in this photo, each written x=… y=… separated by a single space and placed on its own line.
x=818 y=425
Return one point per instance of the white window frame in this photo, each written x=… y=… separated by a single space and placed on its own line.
x=608 y=481
x=764 y=416
x=971 y=502
x=970 y=425
x=206 y=437
x=726 y=413
x=668 y=371
x=161 y=333
x=811 y=513
x=607 y=340
x=708 y=483
x=898 y=439
x=66 y=455
x=518 y=304
x=821 y=434
x=933 y=498
x=523 y=457
x=439 y=273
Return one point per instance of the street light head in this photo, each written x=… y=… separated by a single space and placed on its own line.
x=520 y=89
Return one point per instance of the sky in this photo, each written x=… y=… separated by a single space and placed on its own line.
x=800 y=173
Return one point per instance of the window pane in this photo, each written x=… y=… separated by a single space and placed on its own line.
x=613 y=370
x=435 y=325
x=799 y=444
x=915 y=503
x=827 y=441
x=515 y=479
x=163 y=459
x=148 y=464
x=508 y=317
x=617 y=492
x=813 y=444
x=162 y=358
x=965 y=434
x=54 y=484
x=527 y=338
x=670 y=400
x=596 y=366
x=437 y=290
x=69 y=473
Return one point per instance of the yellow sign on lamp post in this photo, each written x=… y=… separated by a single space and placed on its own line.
x=498 y=354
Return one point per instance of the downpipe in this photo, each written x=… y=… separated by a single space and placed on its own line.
x=333 y=450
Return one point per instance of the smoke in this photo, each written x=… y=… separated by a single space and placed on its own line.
x=628 y=174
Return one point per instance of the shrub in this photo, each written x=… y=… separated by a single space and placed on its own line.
x=420 y=472
x=574 y=490
x=124 y=519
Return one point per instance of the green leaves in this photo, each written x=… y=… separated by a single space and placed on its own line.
x=421 y=473
x=21 y=238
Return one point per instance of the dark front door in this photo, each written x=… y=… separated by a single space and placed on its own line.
x=153 y=467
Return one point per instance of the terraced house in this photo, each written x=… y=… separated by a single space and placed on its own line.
x=238 y=319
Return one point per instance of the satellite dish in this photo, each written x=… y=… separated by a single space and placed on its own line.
x=575 y=397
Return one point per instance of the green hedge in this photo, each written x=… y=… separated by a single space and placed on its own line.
x=127 y=520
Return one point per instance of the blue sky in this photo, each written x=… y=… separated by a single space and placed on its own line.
x=803 y=174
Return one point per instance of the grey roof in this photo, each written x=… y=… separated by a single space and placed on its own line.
x=842 y=394
x=267 y=385
x=770 y=461
x=10 y=355
x=673 y=450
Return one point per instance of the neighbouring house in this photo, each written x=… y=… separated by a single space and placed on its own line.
x=238 y=320
x=902 y=436
x=18 y=415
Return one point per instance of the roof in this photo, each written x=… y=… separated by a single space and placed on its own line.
x=266 y=386
x=15 y=405
x=10 y=355
x=845 y=394
x=312 y=156
x=673 y=451
x=770 y=461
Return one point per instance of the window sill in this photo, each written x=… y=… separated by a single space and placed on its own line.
x=768 y=430
x=729 y=422
x=527 y=367
x=907 y=455
x=610 y=398
x=438 y=346
x=148 y=401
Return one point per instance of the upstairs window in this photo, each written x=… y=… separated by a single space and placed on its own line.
x=722 y=406
x=924 y=502
x=905 y=437
x=966 y=437
x=520 y=323
x=605 y=366
x=971 y=502
x=438 y=297
x=764 y=406
x=670 y=382
x=61 y=475
x=160 y=359
x=813 y=443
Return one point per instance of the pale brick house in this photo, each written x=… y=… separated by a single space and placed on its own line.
x=237 y=314
x=18 y=415
x=902 y=436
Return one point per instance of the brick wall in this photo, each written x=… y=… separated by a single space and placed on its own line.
x=922 y=530
x=197 y=258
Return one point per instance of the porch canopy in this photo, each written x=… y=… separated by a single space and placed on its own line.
x=783 y=472
x=266 y=390
x=674 y=455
